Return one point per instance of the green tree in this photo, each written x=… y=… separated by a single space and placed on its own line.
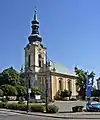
x=1 y=93
x=9 y=90
x=35 y=91
x=9 y=76
x=22 y=90
x=82 y=77
x=22 y=76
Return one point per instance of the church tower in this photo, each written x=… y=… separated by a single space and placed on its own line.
x=35 y=52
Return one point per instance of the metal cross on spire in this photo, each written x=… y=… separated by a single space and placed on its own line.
x=35 y=14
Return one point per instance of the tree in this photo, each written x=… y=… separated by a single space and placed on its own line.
x=9 y=90
x=1 y=93
x=35 y=91
x=9 y=76
x=22 y=90
x=82 y=77
x=22 y=77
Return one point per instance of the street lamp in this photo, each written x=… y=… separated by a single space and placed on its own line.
x=28 y=71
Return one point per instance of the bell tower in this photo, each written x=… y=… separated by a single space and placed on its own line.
x=35 y=52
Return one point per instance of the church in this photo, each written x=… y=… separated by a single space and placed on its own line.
x=57 y=75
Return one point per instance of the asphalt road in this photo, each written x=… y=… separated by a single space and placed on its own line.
x=17 y=116
x=14 y=116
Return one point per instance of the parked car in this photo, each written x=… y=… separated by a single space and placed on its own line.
x=96 y=99
x=93 y=107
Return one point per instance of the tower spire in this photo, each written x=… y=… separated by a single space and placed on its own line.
x=35 y=14
x=35 y=29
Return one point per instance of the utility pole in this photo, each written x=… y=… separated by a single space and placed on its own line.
x=48 y=77
x=46 y=84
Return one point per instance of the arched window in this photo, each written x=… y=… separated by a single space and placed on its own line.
x=29 y=60
x=69 y=85
x=39 y=60
x=60 y=84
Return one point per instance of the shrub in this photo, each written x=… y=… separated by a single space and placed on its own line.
x=21 y=90
x=58 y=95
x=37 y=108
x=4 y=100
x=2 y=104
x=36 y=101
x=11 y=106
x=1 y=93
x=9 y=90
x=65 y=98
x=52 y=109
x=35 y=91
x=16 y=106
x=39 y=101
x=69 y=93
x=22 y=107
x=21 y=100
x=62 y=94
x=44 y=101
x=32 y=101
x=52 y=101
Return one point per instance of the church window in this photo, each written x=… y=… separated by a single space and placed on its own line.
x=40 y=60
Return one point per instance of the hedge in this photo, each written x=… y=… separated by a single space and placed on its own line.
x=52 y=109
x=33 y=108
x=37 y=108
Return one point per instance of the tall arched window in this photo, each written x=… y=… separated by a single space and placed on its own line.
x=29 y=60
x=60 y=84
x=69 y=85
x=39 y=60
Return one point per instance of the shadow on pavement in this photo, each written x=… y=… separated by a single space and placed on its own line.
x=65 y=111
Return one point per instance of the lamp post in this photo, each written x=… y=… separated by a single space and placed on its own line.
x=27 y=75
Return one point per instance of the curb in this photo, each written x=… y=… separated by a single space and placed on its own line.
x=46 y=115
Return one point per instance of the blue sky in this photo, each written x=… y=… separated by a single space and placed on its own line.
x=70 y=30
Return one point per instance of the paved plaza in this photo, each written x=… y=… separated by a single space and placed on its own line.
x=66 y=106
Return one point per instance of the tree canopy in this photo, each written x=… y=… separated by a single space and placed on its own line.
x=12 y=82
x=9 y=76
x=22 y=90
x=9 y=90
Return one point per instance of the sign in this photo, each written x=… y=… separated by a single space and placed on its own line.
x=88 y=91
x=37 y=97
x=29 y=90
x=89 y=85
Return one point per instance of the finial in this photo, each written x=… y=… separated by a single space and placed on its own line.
x=35 y=14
